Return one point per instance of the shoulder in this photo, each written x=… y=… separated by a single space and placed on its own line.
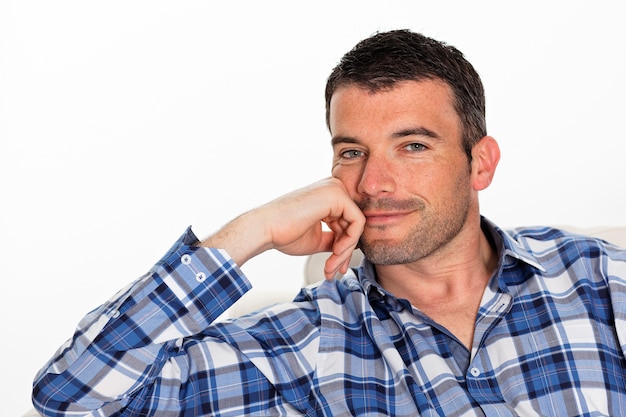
x=540 y=239
x=558 y=249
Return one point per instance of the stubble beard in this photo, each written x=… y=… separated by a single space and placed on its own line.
x=433 y=231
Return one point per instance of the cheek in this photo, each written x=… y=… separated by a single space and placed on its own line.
x=349 y=176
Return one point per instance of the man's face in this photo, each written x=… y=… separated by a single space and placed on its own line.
x=399 y=154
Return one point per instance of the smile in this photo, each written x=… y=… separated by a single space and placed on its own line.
x=384 y=219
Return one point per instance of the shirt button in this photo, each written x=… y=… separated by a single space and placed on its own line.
x=475 y=372
x=200 y=276
x=185 y=259
x=114 y=314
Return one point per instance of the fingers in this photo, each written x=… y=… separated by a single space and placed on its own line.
x=346 y=238
x=337 y=264
x=341 y=249
x=348 y=229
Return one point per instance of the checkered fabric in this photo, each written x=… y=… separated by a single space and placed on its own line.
x=549 y=340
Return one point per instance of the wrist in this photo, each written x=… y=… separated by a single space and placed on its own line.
x=243 y=238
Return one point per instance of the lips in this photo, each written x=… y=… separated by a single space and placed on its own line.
x=387 y=211
x=384 y=218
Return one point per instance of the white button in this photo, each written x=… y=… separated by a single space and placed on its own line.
x=475 y=371
x=114 y=313
x=186 y=259
x=200 y=276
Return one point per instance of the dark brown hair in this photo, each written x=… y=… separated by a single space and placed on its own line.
x=386 y=58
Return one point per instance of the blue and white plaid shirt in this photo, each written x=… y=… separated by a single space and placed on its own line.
x=549 y=340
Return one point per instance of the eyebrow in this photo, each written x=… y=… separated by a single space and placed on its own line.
x=417 y=131
x=336 y=140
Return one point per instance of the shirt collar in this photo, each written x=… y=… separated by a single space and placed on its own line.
x=366 y=276
x=507 y=246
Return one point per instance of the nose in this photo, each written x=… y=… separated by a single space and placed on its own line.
x=378 y=177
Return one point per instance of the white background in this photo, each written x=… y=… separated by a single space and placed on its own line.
x=123 y=122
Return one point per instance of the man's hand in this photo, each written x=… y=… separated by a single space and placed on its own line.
x=292 y=224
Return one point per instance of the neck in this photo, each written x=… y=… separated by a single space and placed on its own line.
x=447 y=286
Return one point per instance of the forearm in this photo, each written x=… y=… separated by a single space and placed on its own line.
x=242 y=238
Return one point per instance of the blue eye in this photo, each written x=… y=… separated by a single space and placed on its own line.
x=351 y=154
x=416 y=147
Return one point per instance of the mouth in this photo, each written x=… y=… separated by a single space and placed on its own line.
x=384 y=218
x=388 y=212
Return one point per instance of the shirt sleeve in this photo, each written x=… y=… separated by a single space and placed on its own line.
x=616 y=272
x=129 y=348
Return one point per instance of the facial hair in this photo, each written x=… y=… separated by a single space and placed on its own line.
x=432 y=231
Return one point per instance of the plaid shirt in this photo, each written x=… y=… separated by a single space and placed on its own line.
x=549 y=340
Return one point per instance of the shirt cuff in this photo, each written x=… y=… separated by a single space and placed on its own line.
x=206 y=280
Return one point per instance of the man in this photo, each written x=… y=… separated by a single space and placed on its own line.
x=447 y=316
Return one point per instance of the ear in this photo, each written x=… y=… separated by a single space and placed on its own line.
x=485 y=157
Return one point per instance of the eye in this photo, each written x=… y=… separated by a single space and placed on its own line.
x=351 y=154
x=415 y=147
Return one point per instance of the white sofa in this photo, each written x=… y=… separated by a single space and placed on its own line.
x=314 y=266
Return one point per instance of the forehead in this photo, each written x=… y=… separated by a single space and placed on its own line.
x=427 y=103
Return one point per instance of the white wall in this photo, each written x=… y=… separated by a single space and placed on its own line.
x=122 y=122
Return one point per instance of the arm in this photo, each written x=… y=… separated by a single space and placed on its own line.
x=123 y=345
x=129 y=350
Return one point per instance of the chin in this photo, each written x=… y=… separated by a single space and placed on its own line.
x=386 y=252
